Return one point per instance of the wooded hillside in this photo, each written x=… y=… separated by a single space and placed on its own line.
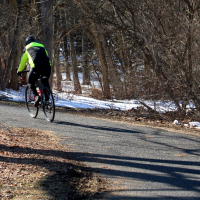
x=137 y=48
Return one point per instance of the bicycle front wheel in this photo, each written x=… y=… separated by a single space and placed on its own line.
x=48 y=104
x=30 y=100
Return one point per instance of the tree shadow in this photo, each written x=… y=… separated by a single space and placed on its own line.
x=177 y=173
x=181 y=175
x=101 y=128
x=58 y=185
x=65 y=178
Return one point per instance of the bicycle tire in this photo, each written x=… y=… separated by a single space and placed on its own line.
x=30 y=100
x=49 y=105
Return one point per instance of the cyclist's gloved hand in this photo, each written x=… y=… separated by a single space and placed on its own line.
x=19 y=73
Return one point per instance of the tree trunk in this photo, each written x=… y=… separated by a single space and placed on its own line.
x=56 y=62
x=104 y=67
x=77 y=86
x=66 y=53
x=46 y=24
x=1 y=70
x=57 y=70
x=8 y=67
x=86 y=69
x=3 y=67
x=14 y=81
x=114 y=75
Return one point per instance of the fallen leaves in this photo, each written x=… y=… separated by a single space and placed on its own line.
x=33 y=165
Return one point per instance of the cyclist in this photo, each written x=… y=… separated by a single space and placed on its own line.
x=37 y=56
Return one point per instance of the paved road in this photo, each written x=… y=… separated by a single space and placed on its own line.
x=144 y=163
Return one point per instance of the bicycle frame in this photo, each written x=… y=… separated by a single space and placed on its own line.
x=47 y=100
x=41 y=89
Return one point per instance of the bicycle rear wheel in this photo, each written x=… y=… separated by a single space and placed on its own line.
x=48 y=104
x=30 y=100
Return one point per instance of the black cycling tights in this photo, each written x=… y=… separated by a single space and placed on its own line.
x=35 y=74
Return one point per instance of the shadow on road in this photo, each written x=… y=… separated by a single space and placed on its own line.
x=102 y=128
x=60 y=180
x=178 y=175
x=165 y=171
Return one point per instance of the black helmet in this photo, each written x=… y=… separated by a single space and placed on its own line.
x=30 y=39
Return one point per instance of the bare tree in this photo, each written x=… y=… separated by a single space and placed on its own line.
x=8 y=67
x=102 y=58
x=86 y=69
x=66 y=56
x=46 y=27
x=145 y=49
x=77 y=86
x=56 y=54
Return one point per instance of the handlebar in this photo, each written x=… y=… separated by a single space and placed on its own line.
x=24 y=72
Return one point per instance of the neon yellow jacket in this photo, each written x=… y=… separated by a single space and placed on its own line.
x=37 y=56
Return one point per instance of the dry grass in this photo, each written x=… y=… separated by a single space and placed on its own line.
x=34 y=165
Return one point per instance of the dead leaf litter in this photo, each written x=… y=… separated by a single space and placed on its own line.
x=34 y=165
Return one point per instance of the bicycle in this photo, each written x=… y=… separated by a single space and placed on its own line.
x=47 y=100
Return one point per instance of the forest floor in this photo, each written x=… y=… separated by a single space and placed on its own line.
x=34 y=165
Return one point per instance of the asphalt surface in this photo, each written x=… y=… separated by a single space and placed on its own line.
x=140 y=162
